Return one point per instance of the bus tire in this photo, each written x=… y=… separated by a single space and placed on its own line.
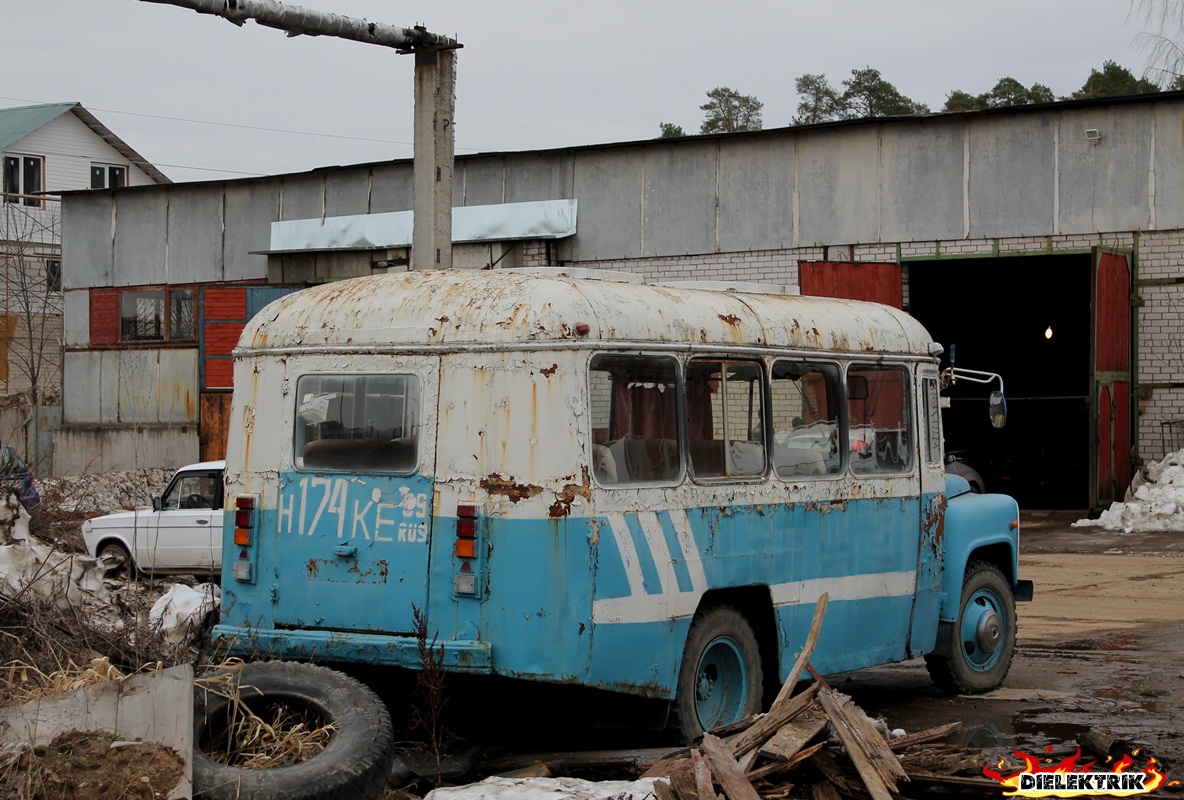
x=973 y=654
x=356 y=762
x=720 y=679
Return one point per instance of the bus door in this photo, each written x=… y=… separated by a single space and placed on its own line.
x=931 y=556
x=355 y=514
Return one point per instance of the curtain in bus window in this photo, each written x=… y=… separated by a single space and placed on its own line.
x=877 y=408
x=640 y=439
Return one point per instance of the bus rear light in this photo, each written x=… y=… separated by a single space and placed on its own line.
x=242 y=537
x=466 y=548
x=244 y=512
x=466 y=528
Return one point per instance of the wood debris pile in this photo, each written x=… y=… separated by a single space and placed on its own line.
x=767 y=756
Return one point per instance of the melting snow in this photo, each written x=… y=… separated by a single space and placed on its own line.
x=1155 y=504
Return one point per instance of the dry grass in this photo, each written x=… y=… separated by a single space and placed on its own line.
x=26 y=682
x=281 y=737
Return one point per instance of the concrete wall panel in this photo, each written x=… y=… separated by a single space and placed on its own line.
x=177 y=395
x=195 y=233
x=140 y=255
x=482 y=182
x=76 y=317
x=609 y=222
x=545 y=176
x=1012 y=161
x=88 y=250
x=1168 y=165
x=680 y=199
x=347 y=192
x=98 y=402
x=250 y=210
x=756 y=194
x=921 y=181
x=837 y=186
x=139 y=384
x=392 y=188
x=81 y=450
x=302 y=196
x=1104 y=184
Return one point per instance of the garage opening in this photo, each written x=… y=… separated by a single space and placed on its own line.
x=1029 y=319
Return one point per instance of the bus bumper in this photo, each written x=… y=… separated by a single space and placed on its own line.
x=1023 y=591
x=365 y=648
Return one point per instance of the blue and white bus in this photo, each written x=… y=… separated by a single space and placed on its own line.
x=580 y=477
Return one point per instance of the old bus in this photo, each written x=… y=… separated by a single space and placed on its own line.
x=585 y=478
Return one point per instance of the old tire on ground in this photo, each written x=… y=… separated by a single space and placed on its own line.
x=355 y=764
x=117 y=559
x=973 y=654
x=721 y=679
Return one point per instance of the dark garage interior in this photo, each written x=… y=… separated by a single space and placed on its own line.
x=993 y=314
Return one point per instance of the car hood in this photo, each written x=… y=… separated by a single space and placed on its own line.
x=117 y=518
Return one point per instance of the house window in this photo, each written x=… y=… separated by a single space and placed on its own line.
x=160 y=315
x=24 y=179
x=107 y=176
x=53 y=275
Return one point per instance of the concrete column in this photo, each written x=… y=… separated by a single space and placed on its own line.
x=435 y=102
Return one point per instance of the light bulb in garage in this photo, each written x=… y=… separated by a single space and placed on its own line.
x=1048 y=332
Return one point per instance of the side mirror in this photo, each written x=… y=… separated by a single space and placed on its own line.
x=156 y=504
x=997 y=408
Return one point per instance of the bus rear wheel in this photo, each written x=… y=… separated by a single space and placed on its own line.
x=973 y=654
x=720 y=678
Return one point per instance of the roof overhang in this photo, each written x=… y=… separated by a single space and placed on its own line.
x=544 y=219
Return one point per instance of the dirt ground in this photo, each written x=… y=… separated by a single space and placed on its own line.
x=1099 y=645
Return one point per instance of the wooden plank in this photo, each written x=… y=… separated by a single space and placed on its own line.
x=823 y=791
x=873 y=779
x=726 y=770
x=785 y=766
x=795 y=735
x=766 y=726
x=923 y=737
x=704 y=786
x=664 y=791
x=807 y=650
x=825 y=763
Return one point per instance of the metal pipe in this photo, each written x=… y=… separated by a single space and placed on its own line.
x=298 y=21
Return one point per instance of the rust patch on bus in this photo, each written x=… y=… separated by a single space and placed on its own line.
x=731 y=319
x=564 y=497
x=497 y=484
x=551 y=370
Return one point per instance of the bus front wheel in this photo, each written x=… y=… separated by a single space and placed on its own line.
x=973 y=654
x=720 y=678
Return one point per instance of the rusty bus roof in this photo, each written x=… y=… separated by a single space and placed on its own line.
x=507 y=309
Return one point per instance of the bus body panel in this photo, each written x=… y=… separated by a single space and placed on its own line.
x=504 y=543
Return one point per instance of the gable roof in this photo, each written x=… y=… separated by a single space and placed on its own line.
x=17 y=123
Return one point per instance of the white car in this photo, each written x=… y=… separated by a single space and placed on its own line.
x=182 y=532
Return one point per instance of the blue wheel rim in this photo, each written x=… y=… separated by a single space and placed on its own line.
x=721 y=684
x=978 y=610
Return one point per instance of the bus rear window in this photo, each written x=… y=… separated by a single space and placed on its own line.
x=358 y=423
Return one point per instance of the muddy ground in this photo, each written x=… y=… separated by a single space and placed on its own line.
x=1100 y=644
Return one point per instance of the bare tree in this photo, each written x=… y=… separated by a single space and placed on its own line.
x=30 y=258
x=1162 y=39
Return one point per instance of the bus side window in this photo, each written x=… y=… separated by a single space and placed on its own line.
x=725 y=408
x=878 y=415
x=806 y=408
x=634 y=410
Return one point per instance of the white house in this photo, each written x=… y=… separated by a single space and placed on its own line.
x=45 y=150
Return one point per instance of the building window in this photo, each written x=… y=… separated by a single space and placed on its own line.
x=24 y=180
x=156 y=315
x=107 y=176
x=53 y=275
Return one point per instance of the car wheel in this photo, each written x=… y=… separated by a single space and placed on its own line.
x=974 y=654
x=720 y=680
x=117 y=560
x=355 y=763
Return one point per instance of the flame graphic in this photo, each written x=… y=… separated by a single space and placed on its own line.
x=1154 y=778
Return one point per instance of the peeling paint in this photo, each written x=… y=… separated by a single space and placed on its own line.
x=497 y=484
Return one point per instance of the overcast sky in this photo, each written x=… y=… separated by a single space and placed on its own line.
x=533 y=73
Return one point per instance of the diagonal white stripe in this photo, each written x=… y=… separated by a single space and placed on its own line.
x=624 y=540
x=690 y=551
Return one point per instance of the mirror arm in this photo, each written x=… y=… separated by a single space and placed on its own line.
x=950 y=376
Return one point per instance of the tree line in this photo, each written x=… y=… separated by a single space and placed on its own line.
x=867 y=94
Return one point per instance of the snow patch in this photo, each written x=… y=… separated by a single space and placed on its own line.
x=1156 y=502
